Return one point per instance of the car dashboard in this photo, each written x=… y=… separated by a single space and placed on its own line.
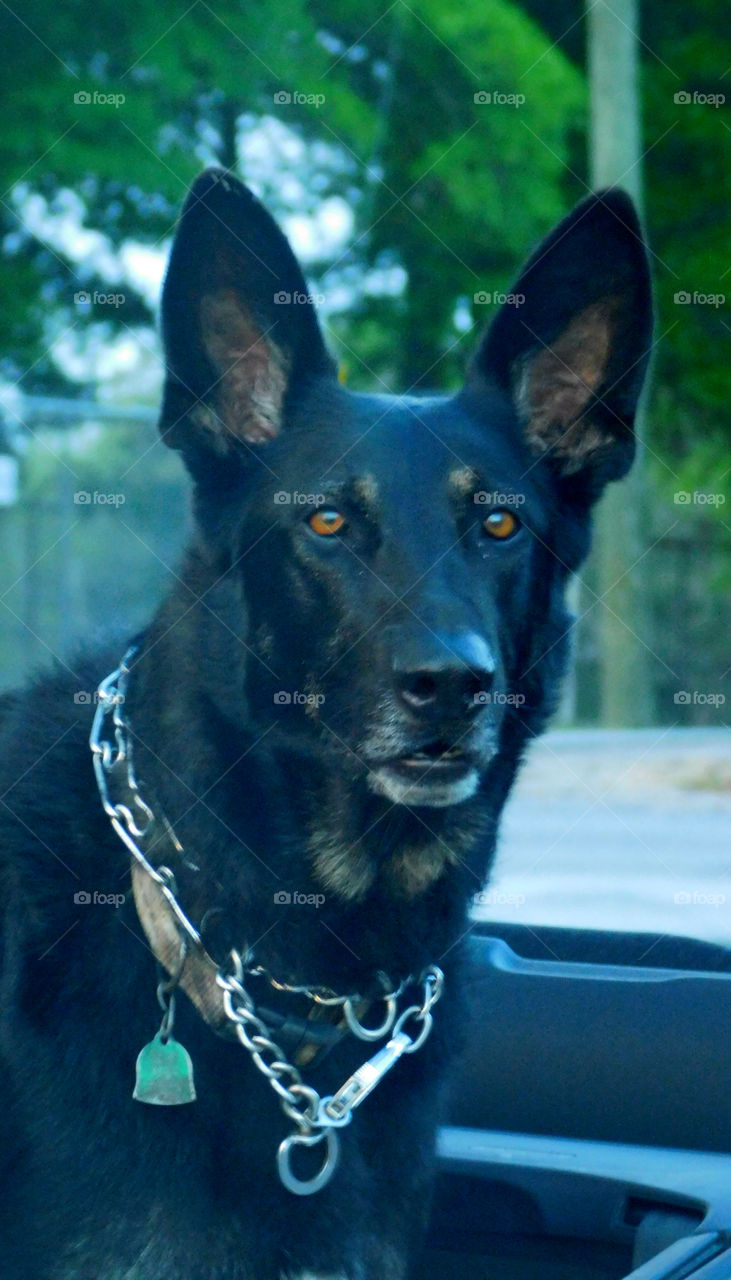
x=589 y=1133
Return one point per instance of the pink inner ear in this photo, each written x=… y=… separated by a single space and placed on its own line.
x=251 y=372
x=556 y=383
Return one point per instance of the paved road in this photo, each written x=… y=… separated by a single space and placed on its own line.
x=620 y=829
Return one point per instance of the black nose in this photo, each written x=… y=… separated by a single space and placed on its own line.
x=443 y=675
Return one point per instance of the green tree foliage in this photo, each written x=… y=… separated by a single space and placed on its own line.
x=437 y=181
x=185 y=77
x=452 y=204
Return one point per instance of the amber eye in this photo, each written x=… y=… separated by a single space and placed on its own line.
x=326 y=521
x=501 y=524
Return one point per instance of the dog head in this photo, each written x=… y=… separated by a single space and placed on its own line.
x=390 y=569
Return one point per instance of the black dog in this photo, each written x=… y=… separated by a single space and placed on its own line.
x=326 y=716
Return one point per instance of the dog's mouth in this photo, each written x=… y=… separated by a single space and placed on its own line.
x=439 y=755
x=438 y=773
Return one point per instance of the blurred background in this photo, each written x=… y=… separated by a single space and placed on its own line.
x=414 y=153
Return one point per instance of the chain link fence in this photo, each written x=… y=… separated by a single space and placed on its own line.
x=91 y=530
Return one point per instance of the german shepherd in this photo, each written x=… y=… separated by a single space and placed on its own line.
x=304 y=758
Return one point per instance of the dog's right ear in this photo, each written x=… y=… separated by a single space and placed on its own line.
x=571 y=346
x=238 y=330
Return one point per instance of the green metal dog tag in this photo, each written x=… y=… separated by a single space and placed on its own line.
x=164 y=1074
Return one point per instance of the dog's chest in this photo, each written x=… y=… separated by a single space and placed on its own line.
x=147 y=1270
x=157 y=1259
x=148 y=1267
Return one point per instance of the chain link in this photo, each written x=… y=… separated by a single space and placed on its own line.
x=107 y=757
x=281 y=1074
x=325 y=995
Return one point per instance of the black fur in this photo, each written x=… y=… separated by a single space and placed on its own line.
x=391 y=628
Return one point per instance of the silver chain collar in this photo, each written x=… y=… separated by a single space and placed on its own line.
x=316 y=1118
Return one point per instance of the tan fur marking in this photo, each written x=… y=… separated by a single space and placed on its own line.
x=413 y=871
x=366 y=488
x=464 y=481
x=557 y=383
x=345 y=870
x=252 y=372
x=265 y=641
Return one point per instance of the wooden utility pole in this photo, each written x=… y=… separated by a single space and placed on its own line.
x=617 y=572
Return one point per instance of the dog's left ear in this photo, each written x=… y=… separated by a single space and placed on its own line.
x=571 y=347
x=239 y=330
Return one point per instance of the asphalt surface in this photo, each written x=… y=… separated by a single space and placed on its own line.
x=625 y=829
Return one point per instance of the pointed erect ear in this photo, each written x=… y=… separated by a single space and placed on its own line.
x=239 y=334
x=572 y=350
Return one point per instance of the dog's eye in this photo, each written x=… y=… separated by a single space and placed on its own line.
x=326 y=522
x=501 y=524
